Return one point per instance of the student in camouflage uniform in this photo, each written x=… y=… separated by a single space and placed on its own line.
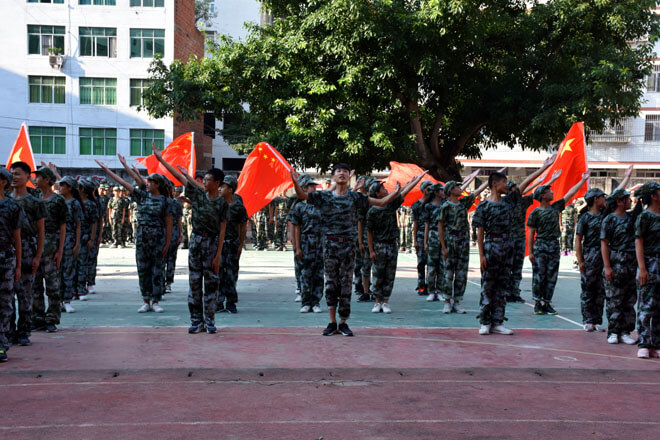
x=87 y=231
x=297 y=262
x=176 y=209
x=132 y=210
x=106 y=197
x=48 y=272
x=186 y=224
x=432 y=243
x=419 y=228
x=32 y=243
x=362 y=254
x=209 y=222
x=402 y=225
x=647 y=243
x=262 y=218
x=272 y=211
x=281 y=213
x=543 y=244
x=118 y=207
x=11 y=219
x=338 y=212
x=382 y=237
x=94 y=251
x=617 y=237
x=233 y=247
x=68 y=187
x=568 y=220
x=307 y=237
x=454 y=237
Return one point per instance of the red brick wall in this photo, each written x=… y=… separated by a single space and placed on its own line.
x=189 y=41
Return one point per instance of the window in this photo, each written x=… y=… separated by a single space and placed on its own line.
x=141 y=141
x=98 y=42
x=40 y=38
x=652 y=128
x=47 y=89
x=97 y=2
x=98 y=141
x=652 y=81
x=46 y=1
x=48 y=140
x=98 y=91
x=148 y=3
x=145 y=43
x=137 y=89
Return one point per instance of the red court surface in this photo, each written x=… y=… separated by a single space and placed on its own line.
x=292 y=383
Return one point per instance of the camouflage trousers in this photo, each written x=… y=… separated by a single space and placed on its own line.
x=204 y=283
x=338 y=262
x=118 y=229
x=149 y=259
x=545 y=269
x=384 y=269
x=366 y=263
x=494 y=280
x=82 y=266
x=311 y=269
x=422 y=259
x=567 y=238
x=23 y=291
x=409 y=236
x=130 y=231
x=435 y=263
x=296 y=265
x=648 y=318
x=228 y=270
x=107 y=236
x=357 y=272
x=47 y=274
x=253 y=230
x=403 y=236
x=516 y=268
x=68 y=269
x=270 y=228
x=185 y=235
x=7 y=273
x=280 y=232
x=621 y=293
x=456 y=267
x=262 y=230
x=93 y=259
x=592 y=298
x=170 y=259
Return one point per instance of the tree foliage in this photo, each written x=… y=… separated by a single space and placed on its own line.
x=369 y=81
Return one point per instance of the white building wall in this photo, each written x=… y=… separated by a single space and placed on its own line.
x=16 y=65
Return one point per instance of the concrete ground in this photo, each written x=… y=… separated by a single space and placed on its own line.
x=417 y=373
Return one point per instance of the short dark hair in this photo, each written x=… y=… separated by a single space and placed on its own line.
x=217 y=174
x=22 y=165
x=495 y=177
x=340 y=166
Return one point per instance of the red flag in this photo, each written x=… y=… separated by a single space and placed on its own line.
x=22 y=150
x=265 y=175
x=404 y=173
x=572 y=160
x=180 y=152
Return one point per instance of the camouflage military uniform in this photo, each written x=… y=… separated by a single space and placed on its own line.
x=11 y=219
x=90 y=218
x=457 y=240
x=409 y=229
x=364 y=257
x=621 y=292
x=592 y=298
x=519 y=243
x=107 y=236
x=435 y=262
x=382 y=223
x=546 y=250
x=68 y=265
x=261 y=218
x=56 y=216
x=647 y=226
x=496 y=218
x=119 y=207
x=339 y=216
x=134 y=223
x=308 y=218
x=297 y=263
x=568 y=228
x=236 y=216
x=207 y=214
x=176 y=210
x=270 y=227
x=34 y=209
x=186 y=225
x=280 y=222
x=419 y=214
x=94 y=251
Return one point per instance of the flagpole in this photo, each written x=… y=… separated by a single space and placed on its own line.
x=192 y=154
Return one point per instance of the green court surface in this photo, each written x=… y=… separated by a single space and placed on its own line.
x=266 y=289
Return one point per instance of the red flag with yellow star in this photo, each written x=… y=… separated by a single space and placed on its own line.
x=265 y=175
x=22 y=150
x=181 y=151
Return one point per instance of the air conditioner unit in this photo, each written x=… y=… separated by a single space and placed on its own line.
x=56 y=61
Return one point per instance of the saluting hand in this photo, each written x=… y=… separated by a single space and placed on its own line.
x=156 y=151
x=294 y=174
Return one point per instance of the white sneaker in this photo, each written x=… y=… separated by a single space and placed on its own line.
x=144 y=308
x=446 y=308
x=90 y=289
x=613 y=339
x=386 y=308
x=501 y=330
x=317 y=309
x=305 y=309
x=68 y=308
x=377 y=308
x=157 y=308
x=298 y=298
x=83 y=298
x=484 y=329
x=643 y=353
x=458 y=308
x=599 y=328
x=431 y=297
x=589 y=327
x=627 y=339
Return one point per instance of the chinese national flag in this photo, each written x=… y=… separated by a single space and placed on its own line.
x=572 y=160
x=265 y=175
x=404 y=173
x=180 y=152
x=22 y=150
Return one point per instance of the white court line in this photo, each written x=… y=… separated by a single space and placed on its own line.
x=532 y=306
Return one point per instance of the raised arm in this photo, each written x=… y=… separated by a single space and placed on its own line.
x=130 y=172
x=387 y=199
x=136 y=175
x=470 y=178
x=626 y=178
x=53 y=168
x=571 y=192
x=180 y=177
x=302 y=195
x=546 y=164
x=188 y=177
x=413 y=183
x=130 y=188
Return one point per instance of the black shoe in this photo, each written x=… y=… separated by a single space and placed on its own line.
x=220 y=308
x=549 y=309
x=539 y=309
x=365 y=297
x=23 y=341
x=331 y=329
x=38 y=326
x=50 y=328
x=3 y=355
x=516 y=299
x=210 y=327
x=196 y=327
x=344 y=330
x=231 y=308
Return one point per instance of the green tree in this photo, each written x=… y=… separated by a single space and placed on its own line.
x=369 y=81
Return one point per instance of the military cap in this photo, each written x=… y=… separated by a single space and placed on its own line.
x=593 y=193
x=510 y=184
x=69 y=181
x=647 y=189
x=304 y=180
x=538 y=192
x=436 y=187
x=374 y=187
x=617 y=194
x=6 y=174
x=86 y=183
x=425 y=184
x=47 y=173
x=450 y=185
x=233 y=183
x=158 y=178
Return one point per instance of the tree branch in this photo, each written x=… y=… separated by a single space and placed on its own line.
x=435 y=147
x=461 y=141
